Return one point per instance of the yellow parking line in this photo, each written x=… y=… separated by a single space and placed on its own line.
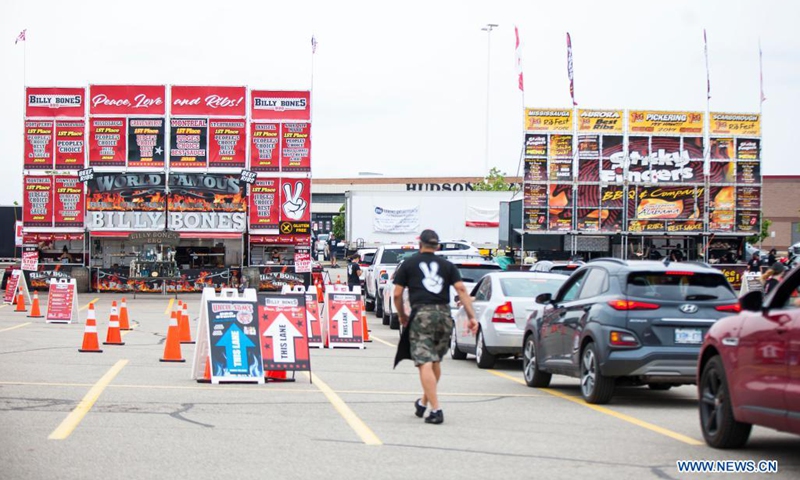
x=87 y=305
x=380 y=340
x=15 y=326
x=169 y=306
x=621 y=416
x=4 y=305
x=74 y=418
x=362 y=430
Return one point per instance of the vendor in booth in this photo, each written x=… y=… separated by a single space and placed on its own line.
x=65 y=256
x=275 y=256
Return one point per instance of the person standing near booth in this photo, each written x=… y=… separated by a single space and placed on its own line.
x=353 y=272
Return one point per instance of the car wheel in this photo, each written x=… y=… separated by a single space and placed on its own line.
x=660 y=387
x=455 y=353
x=482 y=355
x=530 y=367
x=394 y=322
x=720 y=428
x=369 y=304
x=378 y=307
x=595 y=387
x=385 y=317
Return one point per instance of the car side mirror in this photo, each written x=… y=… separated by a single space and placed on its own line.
x=544 y=298
x=752 y=301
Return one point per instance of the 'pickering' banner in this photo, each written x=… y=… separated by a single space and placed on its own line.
x=55 y=102
x=208 y=101
x=665 y=122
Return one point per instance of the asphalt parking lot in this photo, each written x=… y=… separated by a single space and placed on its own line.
x=123 y=414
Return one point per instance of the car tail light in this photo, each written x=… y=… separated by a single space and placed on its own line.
x=632 y=305
x=623 y=339
x=734 y=307
x=503 y=314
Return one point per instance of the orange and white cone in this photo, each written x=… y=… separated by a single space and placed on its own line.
x=124 y=323
x=207 y=372
x=91 y=344
x=35 y=311
x=21 y=303
x=183 y=324
x=113 y=337
x=277 y=376
x=172 y=347
x=364 y=326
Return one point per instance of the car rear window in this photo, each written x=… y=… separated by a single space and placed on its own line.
x=564 y=269
x=530 y=287
x=473 y=273
x=679 y=286
x=368 y=257
x=391 y=257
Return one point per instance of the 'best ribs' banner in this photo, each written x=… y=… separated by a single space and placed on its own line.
x=146 y=142
x=38 y=145
x=227 y=143
x=37 y=208
x=69 y=202
x=265 y=147
x=263 y=204
x=296 y=147
x=208 y=101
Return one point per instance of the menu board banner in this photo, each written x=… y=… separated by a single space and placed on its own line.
x=69 y=202
x=738 y=124
x=536 y=195
x=748 y=149
x=198 y=201
x=296 y=147
x=146 y=142
x=284 y=332
x=188 y=141
x=748 y=198
x=108 y=142
x=263 y=204
x=748 y=221
x=265 y=147
x=227 y=143
x=665 y=122
x=536 y=170
x=601 y=121
x=55 y=102
x=535 y=145
x=61 y=301
x=127 y=100
x=37 y=208
x=70 y=151
x=548 y=120
x=748 y=173
x=535 y=219
x=280 y=105
x=208 y=101
x=38 y=145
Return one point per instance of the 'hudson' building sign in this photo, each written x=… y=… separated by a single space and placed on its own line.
x=439 y=187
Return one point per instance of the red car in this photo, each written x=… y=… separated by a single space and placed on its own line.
x=749 y=369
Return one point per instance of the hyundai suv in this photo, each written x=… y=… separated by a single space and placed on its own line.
x=626 y=322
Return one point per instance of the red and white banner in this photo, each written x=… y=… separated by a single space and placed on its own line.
x=227 y=143
x=55 y=102
x=265 y=147
x=127 y=99
x=108 y=142
x=18 y=233
x=280 y=239
x=30 y=259
x=70 y=151
x=314 y=321
x=208 y=101
x=570 y=70
x=69 y=202
x=302 y=260
x=344 y=319
x=37 y=208
x=483 y=217
x=280 y=105
x=284 y=334
x=263 y=204
x=296 y=200
x=38 y=145
x=10 y=294
x=61 y=302
x=296 y=147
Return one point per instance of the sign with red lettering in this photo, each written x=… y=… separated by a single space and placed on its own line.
x=69 y=202
x=61 y=301
x=30 y=259
x=296 y=147
x=127 y=99
x=280 y=105
x=37 y=210
x=265 y=147
x=284 y=333
x=344 y=319
x=188 y=143
x=9 y=296
x=227 y=142
x=38 y=145
x=296 y=200
x=302 y=259
x=146 y=142
x=55 y=102
x=314 y=321
x=263 y=201
x=208 y=101
x=70 y=144
x=108 y=145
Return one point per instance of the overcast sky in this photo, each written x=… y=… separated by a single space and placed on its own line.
x=400 y=87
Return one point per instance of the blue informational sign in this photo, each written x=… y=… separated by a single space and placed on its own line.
x=234 y=333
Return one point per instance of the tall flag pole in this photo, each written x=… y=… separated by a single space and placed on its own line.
x=707 y=149
x=570 y=71
x=761 y=76
x=311 y=93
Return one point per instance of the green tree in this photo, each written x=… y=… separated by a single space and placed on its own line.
x=338 y=224
x=494 y=182
x=765 y=224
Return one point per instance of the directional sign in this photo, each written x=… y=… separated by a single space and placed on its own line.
x=232 y=327
x=344 y=320
x=62 y=300
x=313 y=320
x=284 y=341
x=236 y=343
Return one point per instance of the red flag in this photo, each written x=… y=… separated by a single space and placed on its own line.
x=570 y=71
x=708 y=75
x=20 y=37
x=518 y=59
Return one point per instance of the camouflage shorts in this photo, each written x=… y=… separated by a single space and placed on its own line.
x=429 y=333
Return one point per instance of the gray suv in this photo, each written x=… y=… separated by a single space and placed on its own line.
x=617 y=322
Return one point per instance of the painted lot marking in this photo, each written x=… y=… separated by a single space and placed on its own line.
x=15 y=327
x=95 y=300
x=621 y=416
x=362 y=430
x=169 y=306
x=380 y=340
x=74 y=418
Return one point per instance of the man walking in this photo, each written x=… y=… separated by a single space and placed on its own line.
x=428 y=278
x=353 y=272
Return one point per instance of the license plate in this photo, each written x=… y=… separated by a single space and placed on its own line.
x=688 y=336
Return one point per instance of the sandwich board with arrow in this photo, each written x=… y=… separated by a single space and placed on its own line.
x=284 y=332
x=344 y=320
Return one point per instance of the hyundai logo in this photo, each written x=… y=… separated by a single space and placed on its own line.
x=688 y=308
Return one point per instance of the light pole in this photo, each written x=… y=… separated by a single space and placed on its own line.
x=488 y=29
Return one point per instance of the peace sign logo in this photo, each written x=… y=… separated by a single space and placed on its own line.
x=295 y=206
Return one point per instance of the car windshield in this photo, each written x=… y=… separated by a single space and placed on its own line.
x=473 y=273
x=679 y=286
x=392 y=257
x=530 y=287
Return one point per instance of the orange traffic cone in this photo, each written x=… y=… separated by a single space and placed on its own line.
x=90 y=341
x=183 y=324
x=277 y=376
x=207 y=373
x=338 y=279
x=21 y=303
x=35 y=313
x=113 y=337
x=364 y=327
x=172 y=347
x=124 y=323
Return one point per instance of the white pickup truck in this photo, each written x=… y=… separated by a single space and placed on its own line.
x=384 y=264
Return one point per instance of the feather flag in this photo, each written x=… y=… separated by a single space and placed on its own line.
x=313 y=44
x=20 y=37
x=708 y=75
x=570 y=71
x=518 y=59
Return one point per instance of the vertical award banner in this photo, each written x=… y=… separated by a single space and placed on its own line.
x=146 y=143
x=284 y=332
x=38 y=145
x=227 y=143
x=264 y=208
x=107 y=142
x=70 y=151
x=296 y=147
x=69 y=202
x=265 y=147
x=188 y=141
x=37 y=210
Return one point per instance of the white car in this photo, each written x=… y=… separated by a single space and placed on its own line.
x=366 y=257
x=502 y=301
x=386 y=259
x=458 y=248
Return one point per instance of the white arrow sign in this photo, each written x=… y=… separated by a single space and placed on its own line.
x=346 y=319
x=283 y=333
x=310 y=317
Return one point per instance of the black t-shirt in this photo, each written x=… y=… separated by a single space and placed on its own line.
x=428 y=278
x=352 y=273
x=754 y=265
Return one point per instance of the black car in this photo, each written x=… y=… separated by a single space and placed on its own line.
x=628 y=322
